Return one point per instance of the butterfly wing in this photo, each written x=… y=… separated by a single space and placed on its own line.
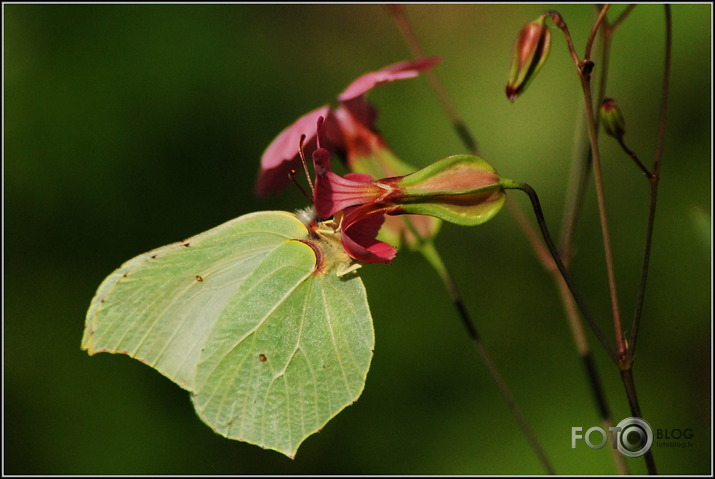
x=270 y=348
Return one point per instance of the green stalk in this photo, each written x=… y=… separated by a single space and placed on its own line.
x=428 y=250
x=433 y=258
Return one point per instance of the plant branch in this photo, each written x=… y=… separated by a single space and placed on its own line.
x=635 y=158
x=654 y=179
x=543 y=254
x=584 y=68
x=576 y=192
x=561 y=25
x=625 y=350
x=562 y=269
x=596 y=26
x=581 y=164
x=629 y=383
x=398 y=14
x=537 y=244
x=621 y=17
x=433 y=257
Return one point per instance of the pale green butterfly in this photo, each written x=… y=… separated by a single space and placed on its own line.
x=258 y=318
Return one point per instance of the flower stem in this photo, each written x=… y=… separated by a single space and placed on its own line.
x=654 y=179
x=536 y=204
x=576 y=192
x=635 y=158
x=430 y=253
x=398 y=14
x=626 y=350
x=622 y=17
x=629 y=383
x=583 y=68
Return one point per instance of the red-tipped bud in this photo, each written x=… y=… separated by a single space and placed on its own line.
x=612 y=119
x=531 y=49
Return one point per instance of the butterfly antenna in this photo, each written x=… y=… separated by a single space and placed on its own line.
x=305 y=168
x=291 y=176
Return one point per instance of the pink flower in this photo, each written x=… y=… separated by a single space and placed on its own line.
x=463 y=189
x=396 y=71
x=357 y=197
x=360 y=226
x=282 y=156
x=349 y=128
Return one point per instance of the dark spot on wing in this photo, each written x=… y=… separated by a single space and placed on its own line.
x=262 y=357
x=199 y=278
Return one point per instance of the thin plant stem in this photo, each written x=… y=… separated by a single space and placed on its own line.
x=589 y=364
x=430 y=252
x=654 y=179
x=635 y=158
x=576 y=188
x=604 y=409
x=559 y=22
x=584 y=74
x=594 y=31
x=536 y=204
x=576 y=192
x=621 y=17
x=581 y=165
x=630 y=385
x=625 y=357
x=542 y=252
x=551 y=264
x=458 y=124
x=433 y=257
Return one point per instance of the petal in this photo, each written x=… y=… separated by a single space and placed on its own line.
x=397 y=71
x=358 y=177
x=359 y=229
x=334 y=193
x=355 y=133
x=282 y=156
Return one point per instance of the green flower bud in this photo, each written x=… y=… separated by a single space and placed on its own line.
x=461 y=189
x=531 y=49
x=612 y=119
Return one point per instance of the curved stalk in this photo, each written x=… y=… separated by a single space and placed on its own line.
x=536 y=204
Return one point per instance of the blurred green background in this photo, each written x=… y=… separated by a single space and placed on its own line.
x=128 y=127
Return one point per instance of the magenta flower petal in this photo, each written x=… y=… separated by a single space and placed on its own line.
x=334 y=192
x=282 y=156
x=358 y=177
x=359 y=229
x=397 y=71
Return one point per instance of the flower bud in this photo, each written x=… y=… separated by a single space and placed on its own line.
x=531 y=49
x=612 y=119
x=461 y=189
